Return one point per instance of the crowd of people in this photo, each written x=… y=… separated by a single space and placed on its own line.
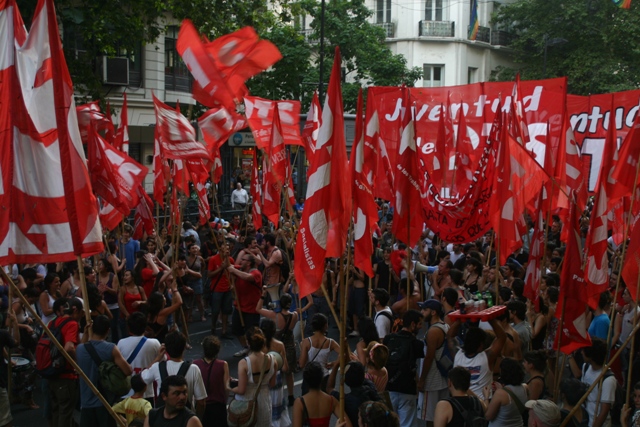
x=413 y=363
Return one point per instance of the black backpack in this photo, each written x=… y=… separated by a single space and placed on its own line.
x=400 y=352
x=473 y=417
x=184 y=368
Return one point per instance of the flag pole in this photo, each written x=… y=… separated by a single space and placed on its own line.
x=60 y=348
x=556 y=384
x=633 y=342
x=85 y=296
x=344 y=348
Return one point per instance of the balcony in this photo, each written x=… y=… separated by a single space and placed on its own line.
x=501 y=38
x=309 y=37
x=436 y=29
x=388 y=27
x=484 y=34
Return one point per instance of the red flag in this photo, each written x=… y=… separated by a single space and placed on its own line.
x=90 y=114
x=327 y=210
x=625 y=172
x=260 y=116
x=365 y=211
x=114 y=175
x=290 y=193
x=533 y=274
x=439 y=167
x=53 y=214
x=271 y=194
x=383 y=175
x=121 y=140
x=144 y=222
x=569 y=166
x=160 y=171
x=218 y=124
x=407 y=220
x=631 y=267
x=597 y=266
x=464 y=153
x=311 y=129
x=210 y=87
x=256 y=193
x=573 y=295
x=110 y=217
x=176 y=135
x=217 y=165
x=240 y=56
x=204 y=210
x=278 y=160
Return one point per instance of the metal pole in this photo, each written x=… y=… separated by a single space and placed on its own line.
x=321 y=61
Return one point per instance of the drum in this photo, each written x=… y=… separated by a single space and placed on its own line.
x=24 y=376
x=20 y=364
x=277 y=357
x=274 y=295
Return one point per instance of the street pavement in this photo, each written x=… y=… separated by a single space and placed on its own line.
x=25 y=417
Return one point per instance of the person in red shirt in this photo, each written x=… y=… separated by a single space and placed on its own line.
x=221 y=295
x=248 y=284
x=64 y=389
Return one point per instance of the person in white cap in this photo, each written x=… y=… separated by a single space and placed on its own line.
x=543 y=413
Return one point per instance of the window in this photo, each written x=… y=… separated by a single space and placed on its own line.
x=176 y=73
x=433 y=75
x=472 y=75
x=433 y=10
x=383 y=11
x=135 y=63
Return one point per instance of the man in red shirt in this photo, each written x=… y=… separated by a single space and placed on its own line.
x=221 y=295
x=248 y=284
x=64 y=388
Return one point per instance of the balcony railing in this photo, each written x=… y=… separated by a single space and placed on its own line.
x=484 y=34
x=436 y=29
x=501 y=38
x=309 y=37
x=388 y=27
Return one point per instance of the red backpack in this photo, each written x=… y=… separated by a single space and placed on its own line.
x=50 y=361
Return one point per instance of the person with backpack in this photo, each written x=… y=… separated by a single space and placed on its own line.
x=594 y=357
x=383 y=318
x=90 y=356
x=506 y=407
x=360 y=389
x=432 y=383
x=463 y=408
x=63 y=383
x=404 y=351
x=175 y=413
x=175 y=344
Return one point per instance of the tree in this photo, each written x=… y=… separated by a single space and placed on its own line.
x=365 y=57
x=593 y=43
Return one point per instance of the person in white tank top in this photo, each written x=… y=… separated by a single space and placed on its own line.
x=317 y=347
x=475 y=358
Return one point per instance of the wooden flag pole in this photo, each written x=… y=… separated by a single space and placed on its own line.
x=60 y=348
x=556 y=384
x=633 y=342
x=344 y=349
x=85 y=296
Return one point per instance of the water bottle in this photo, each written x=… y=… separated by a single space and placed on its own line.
x=489 y=299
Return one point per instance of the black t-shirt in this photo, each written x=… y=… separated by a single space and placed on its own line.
x=6 y=340
x=157 y=419
x=385 y=277
x=467 y=403
x=404 y=350
x=356 y=397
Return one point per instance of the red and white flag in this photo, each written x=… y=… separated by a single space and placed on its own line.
x=311 y=128
x=160 y=171
x=110 y=217
x=53 y=214
x=631 y=267
x=256 y=193
x=115 y=176
x=240 y=56
x=383 y=174
x=209 y=87
x=176 y=135
x=260 y=116
x=573 y=295
x=144 y=222
x=270 y=194
x=327 y=210
x=365 y=210
x=536 y=251
x=218 y=124
x=278 y=159
x=91 y=114
x=408 y=221
x=597 y=266
x=121 y=140
x=625 y=172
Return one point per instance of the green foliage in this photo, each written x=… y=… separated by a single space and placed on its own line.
x=601 y=51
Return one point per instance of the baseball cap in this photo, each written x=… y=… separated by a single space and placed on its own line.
x=433 y=304
x=546 y=411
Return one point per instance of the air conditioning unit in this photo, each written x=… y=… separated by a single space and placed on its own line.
x=115 y=71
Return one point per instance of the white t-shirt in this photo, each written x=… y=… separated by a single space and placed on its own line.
x=383 y=323
x=478 y=367
x=145 y=356
x=195 y=385
x=608 y=391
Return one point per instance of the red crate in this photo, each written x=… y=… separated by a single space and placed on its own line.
x=484 y=315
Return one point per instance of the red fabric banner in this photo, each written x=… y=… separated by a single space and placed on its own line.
x=259 y=114
x=311 y=128
x=121 y=139
x=256 y=193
